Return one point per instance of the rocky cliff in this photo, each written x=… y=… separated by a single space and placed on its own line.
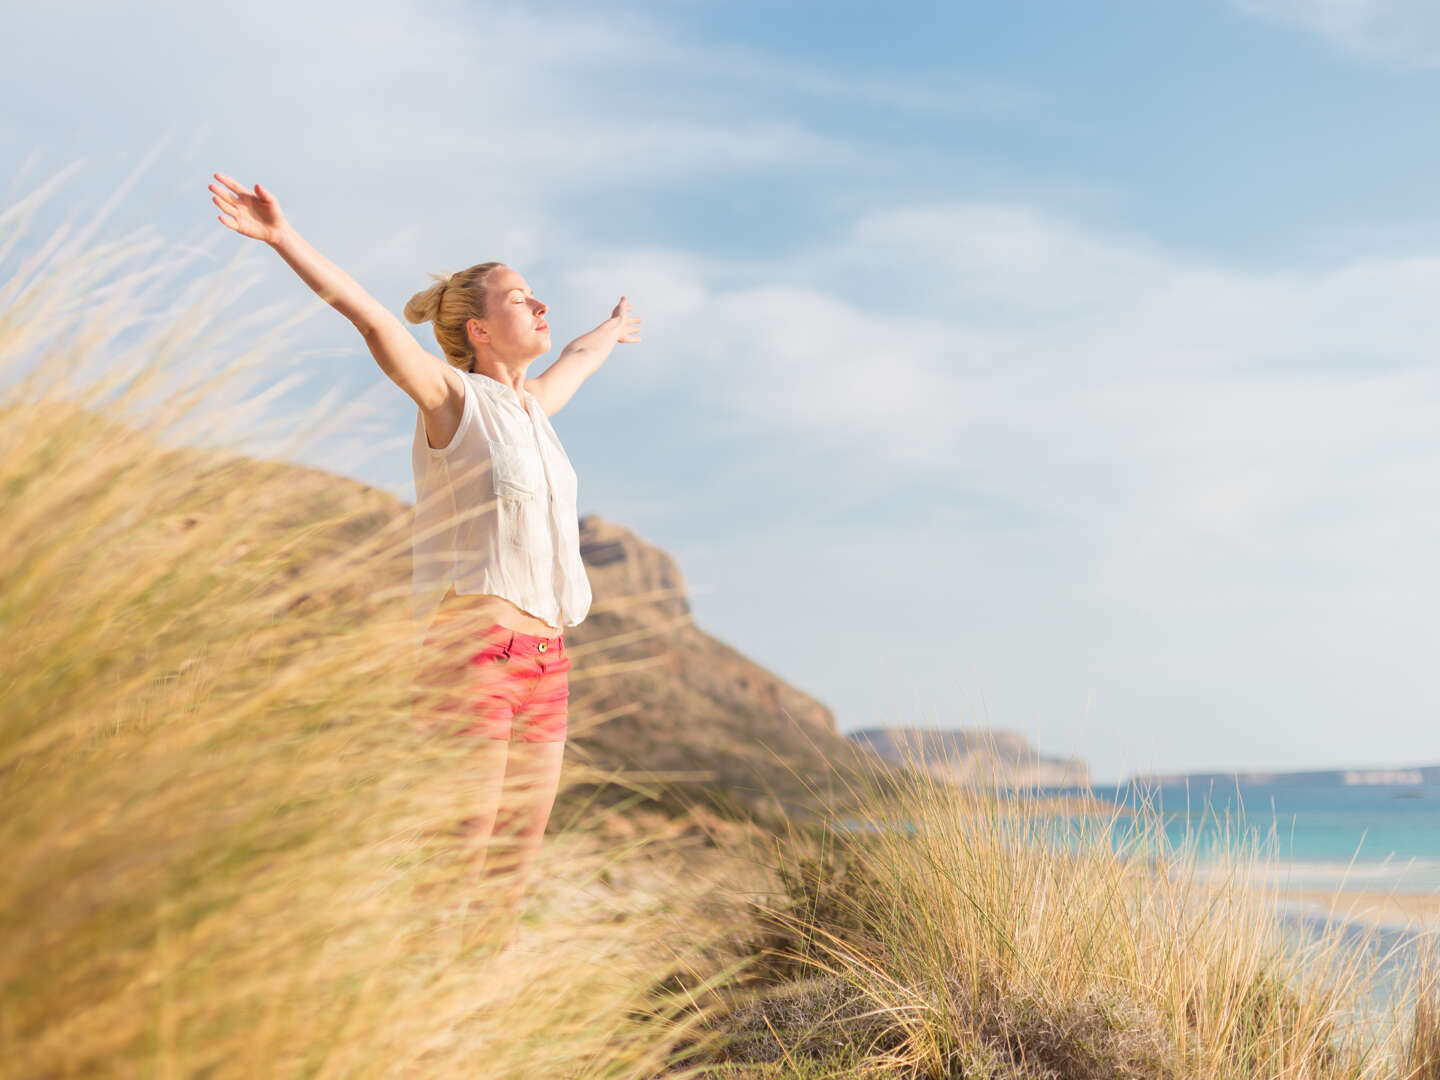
x=651 y=691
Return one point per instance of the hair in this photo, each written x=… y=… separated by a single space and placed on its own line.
x=450 y=303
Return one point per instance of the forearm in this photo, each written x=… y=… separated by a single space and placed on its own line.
x=589 y=351
x=582 y=357
x=333 y=285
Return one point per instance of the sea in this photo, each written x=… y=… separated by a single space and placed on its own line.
x=1382 y=837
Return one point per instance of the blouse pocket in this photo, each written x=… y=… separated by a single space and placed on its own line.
x=517 y=492
x=512 y=473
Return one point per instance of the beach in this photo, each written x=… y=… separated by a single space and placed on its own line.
x=1390 y=910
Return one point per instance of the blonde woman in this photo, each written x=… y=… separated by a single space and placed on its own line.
x=497 y=570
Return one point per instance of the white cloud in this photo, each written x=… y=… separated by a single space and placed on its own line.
x=1176 y=485
x=1404 y=30
x=459 y=119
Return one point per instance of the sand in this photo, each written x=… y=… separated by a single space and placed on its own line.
x=1395 y=910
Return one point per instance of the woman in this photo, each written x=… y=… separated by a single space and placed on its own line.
x=496 y=530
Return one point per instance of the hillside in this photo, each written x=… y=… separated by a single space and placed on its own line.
x=652 y=694
x=974 y=756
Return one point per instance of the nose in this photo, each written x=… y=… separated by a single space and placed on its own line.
x=541 y=307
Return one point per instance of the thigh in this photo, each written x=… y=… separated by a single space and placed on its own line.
x=532 y=777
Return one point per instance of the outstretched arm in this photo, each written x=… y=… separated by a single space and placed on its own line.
x=257 y=214
x=582 y=358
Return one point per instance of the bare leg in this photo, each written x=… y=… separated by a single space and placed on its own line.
x=514 y=782
x=532 y=778
x=491 y=761
x=448 y=688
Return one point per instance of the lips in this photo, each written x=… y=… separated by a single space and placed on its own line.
x=543 y=326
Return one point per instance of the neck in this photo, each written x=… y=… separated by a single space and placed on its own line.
x=509 y=372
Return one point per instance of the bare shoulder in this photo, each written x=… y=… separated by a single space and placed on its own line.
x=443 y=421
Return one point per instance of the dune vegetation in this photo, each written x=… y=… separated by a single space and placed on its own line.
x=230 y=852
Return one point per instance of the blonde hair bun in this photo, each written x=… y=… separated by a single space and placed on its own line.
x=424 y=306
x=451 y=302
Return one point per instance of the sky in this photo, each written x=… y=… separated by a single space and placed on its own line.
x=1065 y=369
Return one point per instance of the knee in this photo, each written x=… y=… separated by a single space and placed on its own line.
x=526 y=824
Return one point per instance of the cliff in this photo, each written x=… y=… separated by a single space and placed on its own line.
x=652 y=692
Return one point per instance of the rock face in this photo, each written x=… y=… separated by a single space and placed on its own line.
x=627 y=574
x=651 y=691
x=974 y=756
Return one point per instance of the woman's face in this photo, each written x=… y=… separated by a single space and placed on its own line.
x=514 y=325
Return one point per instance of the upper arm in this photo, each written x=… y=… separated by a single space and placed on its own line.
x=429 y=380
x=434 y=385
x=542 y=393
x=557 y=384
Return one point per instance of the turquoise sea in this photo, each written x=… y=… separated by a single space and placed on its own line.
x=1362 y=836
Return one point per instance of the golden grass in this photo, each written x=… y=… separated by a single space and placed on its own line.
x=226 y=842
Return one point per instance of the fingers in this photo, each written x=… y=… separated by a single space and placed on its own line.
x=629 y=324
x=231 y=184
x=239 y=189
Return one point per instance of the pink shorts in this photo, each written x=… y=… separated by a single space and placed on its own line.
x=498 y=684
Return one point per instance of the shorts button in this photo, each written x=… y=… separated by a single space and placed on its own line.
x=542 y=645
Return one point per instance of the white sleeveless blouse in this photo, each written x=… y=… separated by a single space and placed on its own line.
x=495 y=511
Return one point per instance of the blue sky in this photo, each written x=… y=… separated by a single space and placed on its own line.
x=1064 y=368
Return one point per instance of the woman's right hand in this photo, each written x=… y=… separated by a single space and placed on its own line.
x=255 y=214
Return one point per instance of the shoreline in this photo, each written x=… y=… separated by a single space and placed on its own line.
x=1413 y=911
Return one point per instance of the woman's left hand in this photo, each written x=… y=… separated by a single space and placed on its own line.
x=627 y=328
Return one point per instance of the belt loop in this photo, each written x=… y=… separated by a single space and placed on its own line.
x=561 y=647
x=509 y=643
